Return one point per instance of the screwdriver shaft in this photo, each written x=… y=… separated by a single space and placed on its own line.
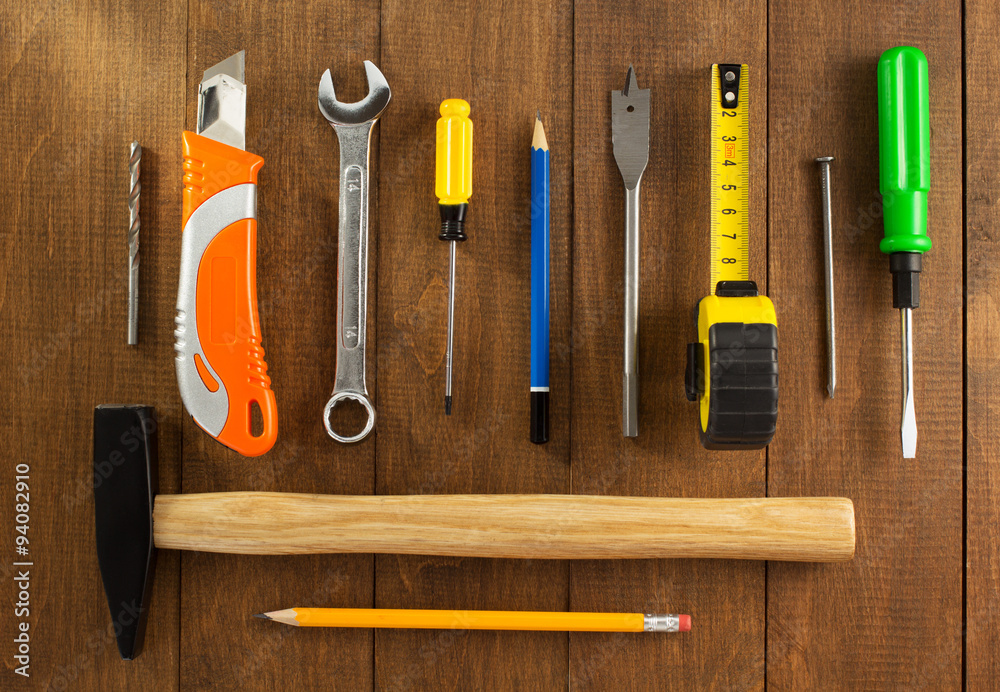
x=449 y=351
x=908 y=429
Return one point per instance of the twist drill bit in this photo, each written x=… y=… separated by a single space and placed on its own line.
x=135 y=155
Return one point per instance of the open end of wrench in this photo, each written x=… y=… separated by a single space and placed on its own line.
x=368 y=108
x=354 y=396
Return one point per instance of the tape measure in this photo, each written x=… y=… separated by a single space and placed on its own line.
x=732 y=370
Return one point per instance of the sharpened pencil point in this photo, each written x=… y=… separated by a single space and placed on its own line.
x=262 y=616
x=538 y=114
x=538 y=140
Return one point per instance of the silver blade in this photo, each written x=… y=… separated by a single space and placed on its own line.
x=232 y=66
x=630 y=129
x=908 y=429
x=222 y=102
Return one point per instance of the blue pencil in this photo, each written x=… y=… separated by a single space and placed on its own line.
x=539 y=284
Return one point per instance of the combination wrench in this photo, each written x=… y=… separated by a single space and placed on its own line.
x=353 y=123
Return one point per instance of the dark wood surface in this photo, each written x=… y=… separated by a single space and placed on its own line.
x=918 y=607
x=982 y=395
x=906 y=577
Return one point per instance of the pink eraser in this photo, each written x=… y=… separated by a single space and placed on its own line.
x=685 y=623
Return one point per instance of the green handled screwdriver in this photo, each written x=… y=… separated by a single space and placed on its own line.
x=904 y=180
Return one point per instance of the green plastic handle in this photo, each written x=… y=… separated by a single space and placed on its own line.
x=904 y=148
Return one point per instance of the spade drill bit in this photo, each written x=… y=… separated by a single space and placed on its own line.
x=630 y=140
x=135 y=155
x=904 y=179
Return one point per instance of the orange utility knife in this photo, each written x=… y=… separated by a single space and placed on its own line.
x=220 y=363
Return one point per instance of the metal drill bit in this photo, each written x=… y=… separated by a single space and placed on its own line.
x=135 y=155
x=831 y=329
x=630 y=141
x=908 y=429
x=449 y=352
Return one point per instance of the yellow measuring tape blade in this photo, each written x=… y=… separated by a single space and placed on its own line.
x=730 y=209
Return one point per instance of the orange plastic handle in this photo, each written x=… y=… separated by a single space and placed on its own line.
x=226 y=297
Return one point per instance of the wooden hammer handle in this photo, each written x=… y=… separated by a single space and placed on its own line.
x=819 y=529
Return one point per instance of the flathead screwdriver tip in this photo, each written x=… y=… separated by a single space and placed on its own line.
x=909 y=432
x=447 y=406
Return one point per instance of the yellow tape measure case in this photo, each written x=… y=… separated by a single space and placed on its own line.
x=733 y=367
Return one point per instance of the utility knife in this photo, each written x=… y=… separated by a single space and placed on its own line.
x=220 y=362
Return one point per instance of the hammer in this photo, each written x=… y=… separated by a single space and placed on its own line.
x=132 y=521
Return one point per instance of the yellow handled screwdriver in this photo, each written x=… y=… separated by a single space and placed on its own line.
x=453 y=187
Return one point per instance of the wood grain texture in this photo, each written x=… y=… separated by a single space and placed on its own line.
x=982 y=616
x=672 y=47
x=81 y=80
x=79 y=84
x=892 y=617
x=534 y=527
x=507 y=61
x=287 y=49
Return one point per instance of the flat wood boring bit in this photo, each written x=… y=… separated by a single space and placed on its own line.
x=630 y=140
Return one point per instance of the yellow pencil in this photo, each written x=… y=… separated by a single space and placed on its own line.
x=479 y=620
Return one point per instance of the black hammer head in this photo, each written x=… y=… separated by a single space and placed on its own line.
x=124 y=487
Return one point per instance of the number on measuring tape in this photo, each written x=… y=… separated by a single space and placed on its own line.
x=730 y=201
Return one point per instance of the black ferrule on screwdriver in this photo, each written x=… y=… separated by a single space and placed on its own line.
x=905 y=268
x=453 y=222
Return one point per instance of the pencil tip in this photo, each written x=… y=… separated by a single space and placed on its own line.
x=262 y=616
x=538 y=114
x=538 y=140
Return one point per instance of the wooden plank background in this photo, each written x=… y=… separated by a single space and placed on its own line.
x=918 y=607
